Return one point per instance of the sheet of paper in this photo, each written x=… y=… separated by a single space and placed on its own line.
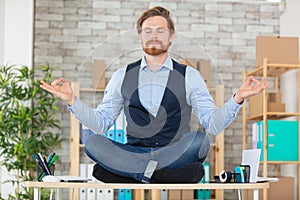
x=251 y=157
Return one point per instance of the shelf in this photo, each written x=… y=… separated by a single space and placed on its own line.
x=273 y=115
x=273 y=70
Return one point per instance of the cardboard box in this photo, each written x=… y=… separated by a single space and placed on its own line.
x=274 y=104
x=283 y=189
x=204 y=66
x=279 y=50
x=187 y=194
x=174 y=194
x=98 y=76
x=189 y=62
x=181 y=195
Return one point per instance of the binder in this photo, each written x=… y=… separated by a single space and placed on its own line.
x=91 y=192
x=120 y=136
x=85 y=132
x=109 y=194
x=116 y=133
x=121 y=194
x=206 y=193
x=101 y=194
x=128 y=194
x=110 y=134
x=199 y=193
x=83 y=173
x=163 y=194
x=254 y=135
x=202 y=194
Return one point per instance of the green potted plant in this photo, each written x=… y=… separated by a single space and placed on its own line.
x=28 y=122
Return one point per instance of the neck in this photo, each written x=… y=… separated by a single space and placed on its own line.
x=155 y=62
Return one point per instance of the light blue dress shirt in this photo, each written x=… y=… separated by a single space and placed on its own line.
x=151 y=89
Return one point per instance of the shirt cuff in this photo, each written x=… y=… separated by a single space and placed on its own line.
x=236 y=102
x=71 y=107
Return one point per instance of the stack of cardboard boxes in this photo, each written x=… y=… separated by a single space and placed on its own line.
x=202 y=65
x=98 y=76
x=279 y=50
x=274 y=104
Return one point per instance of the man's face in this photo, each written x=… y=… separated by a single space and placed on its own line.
x=155 y=36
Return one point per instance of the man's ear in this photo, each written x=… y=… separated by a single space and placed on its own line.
x=139 y=38
x=172 y=36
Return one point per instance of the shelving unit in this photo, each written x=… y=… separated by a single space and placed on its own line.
x=217 y=155
x=274 y=71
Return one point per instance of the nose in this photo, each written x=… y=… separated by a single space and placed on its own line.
x=154 y=34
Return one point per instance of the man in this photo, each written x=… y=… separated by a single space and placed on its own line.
x=157 y=95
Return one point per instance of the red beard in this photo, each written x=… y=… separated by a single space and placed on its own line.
x=154 y=51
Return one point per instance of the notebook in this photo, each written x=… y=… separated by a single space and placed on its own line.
x=251 y=157
x=78 y=179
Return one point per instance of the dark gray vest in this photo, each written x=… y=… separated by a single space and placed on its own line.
x=173 y=117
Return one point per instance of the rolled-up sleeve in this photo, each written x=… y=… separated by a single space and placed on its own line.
x=212 y=118
x=100 y=119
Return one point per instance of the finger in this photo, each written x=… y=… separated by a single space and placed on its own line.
x=45 y=85
x=249 y=80
x=256 y=81
x=56 y=82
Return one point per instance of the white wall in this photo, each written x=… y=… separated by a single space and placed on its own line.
x=16 y=44
x=18 y=32
x=2 y=5
x=289 y=26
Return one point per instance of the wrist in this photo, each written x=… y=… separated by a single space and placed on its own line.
x=238 y=99
x=71 y=101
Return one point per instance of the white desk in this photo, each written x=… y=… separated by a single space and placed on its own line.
x=154 y=187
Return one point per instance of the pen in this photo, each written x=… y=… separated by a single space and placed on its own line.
x=36 y=160
x=53 y=159
x=50 y=157
x=50 y=163
x=45 y=167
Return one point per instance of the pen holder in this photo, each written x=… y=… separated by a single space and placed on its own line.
x=40 y=172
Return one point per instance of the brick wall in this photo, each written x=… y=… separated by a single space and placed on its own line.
x=70 y=34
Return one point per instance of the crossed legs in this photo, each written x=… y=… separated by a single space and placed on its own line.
x=144 y=164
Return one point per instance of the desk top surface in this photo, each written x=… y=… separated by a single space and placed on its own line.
x=147 y=186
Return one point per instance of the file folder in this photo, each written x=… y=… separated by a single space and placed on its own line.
x=91 y=192
x=83 y=173
x=206 y=193
x=121 y=194
x=109 y=194
x=128 y=194
x=85 y=132
x=163 y=194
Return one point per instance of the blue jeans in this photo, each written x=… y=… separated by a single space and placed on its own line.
x=131 y=161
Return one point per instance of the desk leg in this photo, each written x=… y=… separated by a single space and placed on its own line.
x=57 y=194
x=36 y=194
x=240 y=194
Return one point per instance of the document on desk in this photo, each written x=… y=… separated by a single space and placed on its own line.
x=74 y=179
x=251 y=157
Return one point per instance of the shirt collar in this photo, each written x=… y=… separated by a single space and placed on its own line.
x=168 y=64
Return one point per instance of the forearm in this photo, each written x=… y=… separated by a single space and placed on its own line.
x=216 y=120
x=92 y=118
